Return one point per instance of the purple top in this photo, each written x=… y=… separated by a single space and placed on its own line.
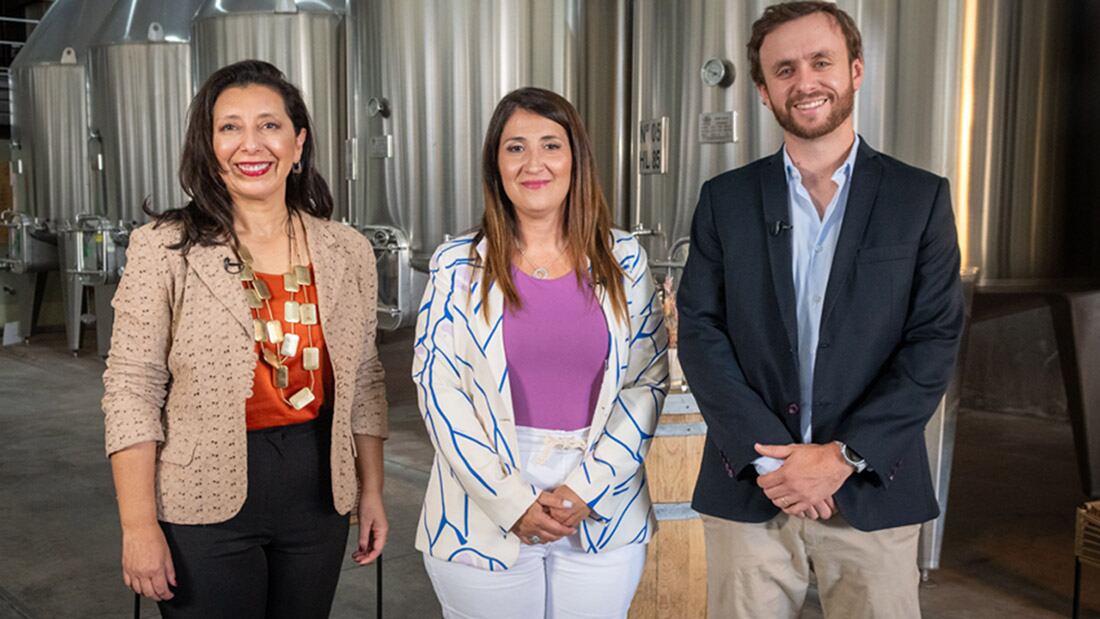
x=556 y=346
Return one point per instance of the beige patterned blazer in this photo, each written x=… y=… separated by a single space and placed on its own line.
x=182 y=361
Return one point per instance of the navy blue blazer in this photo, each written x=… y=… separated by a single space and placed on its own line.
x=890 y=329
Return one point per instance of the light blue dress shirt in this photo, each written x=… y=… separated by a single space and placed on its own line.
x=813 y=245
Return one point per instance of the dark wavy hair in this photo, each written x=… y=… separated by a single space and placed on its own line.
x=587 y=219
x=207 y=219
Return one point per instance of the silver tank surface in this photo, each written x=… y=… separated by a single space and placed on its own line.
x=304 y=39
x=694 y=109
x=50 y=168
x=140 y=69
x=425 y=77
x=696 y=112
x=1010 y=202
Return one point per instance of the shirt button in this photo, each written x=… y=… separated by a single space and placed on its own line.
x=817 y=249
x=792 y=409
x=817 y=298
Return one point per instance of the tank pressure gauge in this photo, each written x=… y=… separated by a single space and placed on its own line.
x=378 y=106
x=717 y=72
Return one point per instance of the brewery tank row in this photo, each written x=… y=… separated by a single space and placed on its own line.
x=401 y=91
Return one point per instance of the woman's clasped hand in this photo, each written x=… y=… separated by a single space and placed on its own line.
x=551 y=517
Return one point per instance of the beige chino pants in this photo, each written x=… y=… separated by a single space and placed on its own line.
x=762 y=570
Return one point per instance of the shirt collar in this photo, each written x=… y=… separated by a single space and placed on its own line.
x=841 y=173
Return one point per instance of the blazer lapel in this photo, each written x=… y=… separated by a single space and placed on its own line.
x=208 y=263
x=618 y=349
x=329 y=262
x=773 y=188
x=488 y=338
x=861 y=197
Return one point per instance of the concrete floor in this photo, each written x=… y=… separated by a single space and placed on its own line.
x=1008 y=549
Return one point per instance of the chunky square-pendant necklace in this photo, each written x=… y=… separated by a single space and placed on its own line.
x=284 y=342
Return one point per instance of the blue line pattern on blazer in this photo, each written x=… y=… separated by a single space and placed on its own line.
x=476 y=493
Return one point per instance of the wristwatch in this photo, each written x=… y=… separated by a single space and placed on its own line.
x=853 y=459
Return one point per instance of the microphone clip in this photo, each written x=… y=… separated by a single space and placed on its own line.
x=233 y=268
x=779 y=227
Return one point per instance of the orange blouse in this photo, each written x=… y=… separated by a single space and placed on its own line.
x=266 y=408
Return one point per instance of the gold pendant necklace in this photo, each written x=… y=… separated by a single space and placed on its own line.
x=285 y=342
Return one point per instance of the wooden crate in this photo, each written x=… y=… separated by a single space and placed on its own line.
x=674 y=584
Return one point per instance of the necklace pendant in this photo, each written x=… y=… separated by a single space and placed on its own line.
x=307 y=312
x=247 y=275
x=290 y=312
x=261 y=289
x=253 y=298
x=270 y=358
x=541 y=273
x=274 y=331
x=282 y=377
x=258 y=329
x=301 y=273
x=311 y=358
x=302 y=399
x=290 y=281
x=289 y=347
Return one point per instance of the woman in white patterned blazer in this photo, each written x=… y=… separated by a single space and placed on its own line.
x=541 y=369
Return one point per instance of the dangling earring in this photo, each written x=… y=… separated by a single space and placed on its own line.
x=297 y=167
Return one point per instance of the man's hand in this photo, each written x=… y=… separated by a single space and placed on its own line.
x=823 y=510
x=810 y=476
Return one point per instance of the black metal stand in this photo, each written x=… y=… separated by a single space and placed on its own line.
x=1076 y=587
x=1075 y=309
x=137 y=606
x=378 y=594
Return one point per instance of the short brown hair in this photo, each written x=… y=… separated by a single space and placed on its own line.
x=778 y=14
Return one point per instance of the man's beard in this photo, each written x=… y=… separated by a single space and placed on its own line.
x=842 y=109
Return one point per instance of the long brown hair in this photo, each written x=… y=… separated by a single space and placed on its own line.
x=207 y=219
x=586 y=224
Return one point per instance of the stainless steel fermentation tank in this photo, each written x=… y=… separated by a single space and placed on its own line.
x=424 y=79
x=139 y=80
x=304 y=39
x=51 y=176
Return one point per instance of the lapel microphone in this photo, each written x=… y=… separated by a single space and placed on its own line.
x=233 y=268
x=779 y=227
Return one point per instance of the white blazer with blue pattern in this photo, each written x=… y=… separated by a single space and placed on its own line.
x=475 y=493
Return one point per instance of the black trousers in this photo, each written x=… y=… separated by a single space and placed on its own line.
x=280 y=556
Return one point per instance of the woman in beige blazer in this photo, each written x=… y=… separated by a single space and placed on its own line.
x=245 y=408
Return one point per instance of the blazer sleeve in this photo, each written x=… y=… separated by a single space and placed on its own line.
x=902 y=399
x=136 y=379
x=736 y=415
x=369 y=409
x=617 y=455
x=447 y=408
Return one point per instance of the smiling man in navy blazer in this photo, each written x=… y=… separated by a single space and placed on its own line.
x=820 y=316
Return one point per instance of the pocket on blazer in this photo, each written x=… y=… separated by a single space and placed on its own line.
x=177 y=450
x=885 y=253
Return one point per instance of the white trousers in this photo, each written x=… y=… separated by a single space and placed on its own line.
x=555 y=580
